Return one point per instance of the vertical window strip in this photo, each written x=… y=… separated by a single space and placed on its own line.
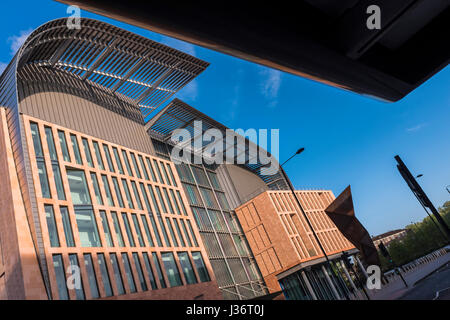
x=172 y=234
x=97 y=193
x=98 y=155
x=181 y=203
x=107 y=188
x=148 y=266
x=108 y=158
x=180 y=236
x=172 y=272
x=42 y=170
x=172 y=176
x=166 y=196
x=144 y=170
x=164 y=232
x=60 y=274
x=58 y=182
x=67 y=226
x=141 y=277
x=165 y=173
x=158 y=171
x=79 y=290
x=127 y=194
x=87 y=152
x=105 y=275
x=147 y=231
x=127 y=163
x=128 y=272
x=158 y=270
x=126 y=223
x=186 y=267
x=118 y=193
x=63 y=144
x=138 y=230
x=51 y=226
x=183 y=226
x=191 y=230
x=150 y=167
x=106 y=229
x=135 y=164
x=177 y=207
x=76 y=149
x=117 y=229
x=136 y=195
x=118 y=161
x=87 y=227
x=117 y=273
x=200 y=266
x=92 y=278
x=50 y=144
x=161 y=200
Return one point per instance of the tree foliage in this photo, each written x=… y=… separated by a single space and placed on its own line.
x=422 y=238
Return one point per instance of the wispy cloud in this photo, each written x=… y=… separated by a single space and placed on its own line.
x=416 y=128
x=270 y=84
x=16 y=41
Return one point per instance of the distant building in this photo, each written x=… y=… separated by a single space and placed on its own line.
x=389 y=236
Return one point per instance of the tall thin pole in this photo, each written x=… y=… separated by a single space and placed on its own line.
x=306 y=217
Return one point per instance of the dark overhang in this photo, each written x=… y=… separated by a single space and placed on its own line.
x=323 y=40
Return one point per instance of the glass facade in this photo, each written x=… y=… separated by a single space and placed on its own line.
x=115 y=201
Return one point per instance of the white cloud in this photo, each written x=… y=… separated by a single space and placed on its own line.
x=16 y=41
x=416 y=128
x=270 y=84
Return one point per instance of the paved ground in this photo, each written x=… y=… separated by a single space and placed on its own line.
x=426 y=289
x=396 y=289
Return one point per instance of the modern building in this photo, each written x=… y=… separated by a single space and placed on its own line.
x=83 y=195
x=387 y=237
x=286 y=250
x=95 y=206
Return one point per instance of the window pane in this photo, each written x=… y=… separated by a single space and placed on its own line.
x=158 y=171
x=200 y=176
x=79 y=291
x=108 y=158
x=36 y=140
x=172 y=195
x=76 y=149
x=163 y=168
x=127 y=162
x=171 y=269
x=87 y=228
x=166 y=196
x=181 y=203
x=208 y=196
x=106 y=229
x=87 y=152
x=193 y=195
x=42 y=171
x=63 y=143
x=172 y=234
x=118 y=193
x=98 y=155
x=138 y=230
x=126 y=223
x=60 y=274
x=51 y=144
x=174 y=182
x=186 y=266
x=117 y=229
x=129 y=274
x=149 y=270
x=98 y=195
x=141 y=277
x=155 y=230
x=136 y=195
x=158 y=270
x=152 y=194
x=127 y=194
x=67 y=226
x=177 y=227
x=161 y=200
x=213 y=178
x=58 y=182
x=91 y=275
x=192 y=233
x=223 y=201
x=183 y=226
x=118 y=161
x=105 y=275
x=117 y=273
x=78 y=187
x=147 y=230
x=141 y=161
x=164 y=232
x=136 y=167
x=107 y=191
x=200 y=266
x=150 y=167
x=51 y=226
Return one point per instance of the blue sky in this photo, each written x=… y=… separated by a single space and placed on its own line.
x=349 y=139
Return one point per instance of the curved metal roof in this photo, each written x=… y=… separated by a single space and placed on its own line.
x=146 y=72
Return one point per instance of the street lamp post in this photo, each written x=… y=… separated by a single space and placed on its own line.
x=291 y=187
